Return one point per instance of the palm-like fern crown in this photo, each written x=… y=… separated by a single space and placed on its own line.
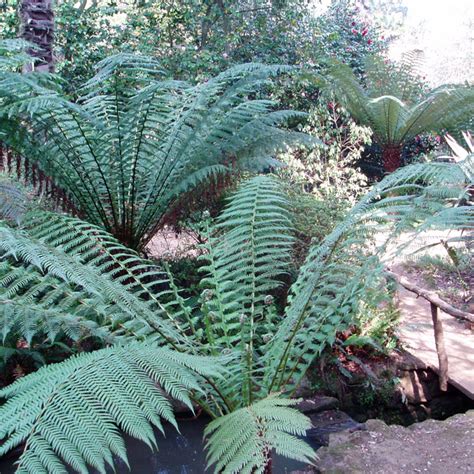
x=395 y=112
x=136 y=141
x=62 y=274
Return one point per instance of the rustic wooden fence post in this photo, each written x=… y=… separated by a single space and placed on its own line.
x=440 y=348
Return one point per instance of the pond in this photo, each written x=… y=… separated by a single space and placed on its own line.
x=179 y=453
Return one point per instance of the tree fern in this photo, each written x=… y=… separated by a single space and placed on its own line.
x=136 y=141
x=385 y=106
x=243 y=441
x=264 y=351
x=71 y=413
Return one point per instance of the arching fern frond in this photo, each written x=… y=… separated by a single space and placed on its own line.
x=243 y=441
x=337 y=273
x=247 y=253
x=83 y=271
x=72 y=413
x=249 y=249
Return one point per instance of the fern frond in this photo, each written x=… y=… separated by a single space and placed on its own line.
x=248 y=251
x=87 y=273
x=242 y=442
x=13 y=201
x=71 y=413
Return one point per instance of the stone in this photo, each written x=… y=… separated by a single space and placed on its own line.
x=317 y=404
x=328 y=422
x=435 y=447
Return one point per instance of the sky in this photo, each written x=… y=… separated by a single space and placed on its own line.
x=444 y=31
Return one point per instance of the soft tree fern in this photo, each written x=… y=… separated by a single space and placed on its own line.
x=81 y=271
x=387 y=104
x=136 y=140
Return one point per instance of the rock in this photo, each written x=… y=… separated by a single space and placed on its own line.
x=318 y=404
x=405 y=361
x=435 y=447
x=330 y=421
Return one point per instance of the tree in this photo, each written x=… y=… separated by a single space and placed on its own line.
x=37 y=27
x=388 y=101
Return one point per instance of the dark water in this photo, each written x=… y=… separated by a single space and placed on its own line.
x=179 y=453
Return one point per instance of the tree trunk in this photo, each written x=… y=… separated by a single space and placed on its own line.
x=391 y=157
x=37 y=27
x=225 y=23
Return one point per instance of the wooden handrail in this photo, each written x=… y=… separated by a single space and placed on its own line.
x=432 y=297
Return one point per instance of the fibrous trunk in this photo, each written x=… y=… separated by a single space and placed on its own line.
x=391 y=158
x=37 y=27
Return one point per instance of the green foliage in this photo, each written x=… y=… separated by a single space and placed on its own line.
x=325 y=182
x=51 y=276
x=251 y=250
x=376 y=322
x=13 y=201
x=79 y=255
x=313 y=220
x=76 y=53
x=242 y=441
x=329 y=171
x=72 y=411
x=135 y=143
x=13 y=54
x=195 y=40
x=264 y=351
x=348 y=37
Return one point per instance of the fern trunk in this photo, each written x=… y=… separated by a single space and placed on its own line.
x=391 y=157
x=268 y=465
x=37 y=27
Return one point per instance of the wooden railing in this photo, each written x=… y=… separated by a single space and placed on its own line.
x=436 y=303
